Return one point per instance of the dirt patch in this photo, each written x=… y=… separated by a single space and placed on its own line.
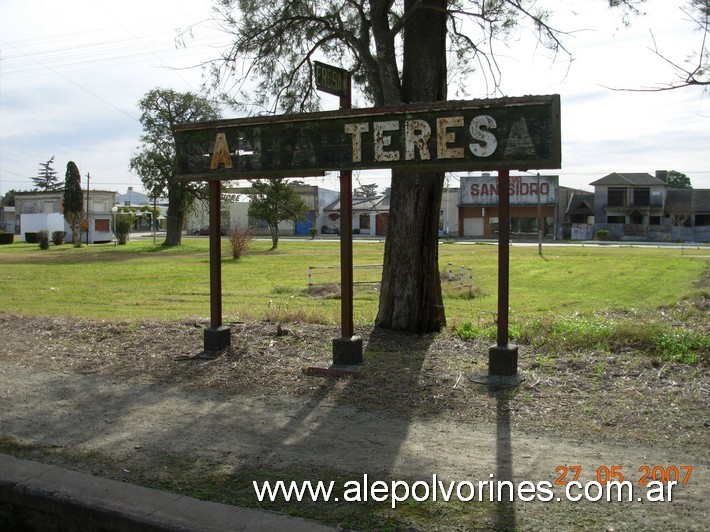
x=415 y=410
x=615 y=398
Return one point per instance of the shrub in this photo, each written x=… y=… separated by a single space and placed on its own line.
x=6 y=238
x=679 y=345
x=58 y=237
x=469 y=331
x=239 y=240
x=313 y=231
x=602 y=234
x=43 y=239
x=124 y=223
x=31 y=238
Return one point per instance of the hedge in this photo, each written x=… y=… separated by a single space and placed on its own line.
x=58 y=237
x=43 y=239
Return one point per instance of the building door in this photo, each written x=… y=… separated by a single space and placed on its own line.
x=473 y=227
x=381 y=223
x=303 y=226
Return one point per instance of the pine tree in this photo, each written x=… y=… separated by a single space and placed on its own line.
x=73 y=202
x=46 y=177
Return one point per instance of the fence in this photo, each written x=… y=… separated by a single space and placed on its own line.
x=464 y=279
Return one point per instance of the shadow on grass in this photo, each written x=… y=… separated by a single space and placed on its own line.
x=67 y=254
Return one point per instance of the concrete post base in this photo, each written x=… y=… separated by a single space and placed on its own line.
x=503 y=360
x=217 y=338
x=347 y=351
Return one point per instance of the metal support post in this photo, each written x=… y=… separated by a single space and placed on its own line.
x=217 y=336
x=503 y=358
x=347 y=350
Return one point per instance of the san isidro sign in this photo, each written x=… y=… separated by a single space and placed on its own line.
x=523 y=190
x=510 y=133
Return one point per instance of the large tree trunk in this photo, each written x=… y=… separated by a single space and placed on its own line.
x=176 y=216
x=411 y=298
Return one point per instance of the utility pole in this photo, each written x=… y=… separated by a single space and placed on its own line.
x=88 y=212
x=155 y=215
x=446 y=209
x=540 y=221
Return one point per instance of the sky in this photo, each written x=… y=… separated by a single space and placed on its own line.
x=72 y=73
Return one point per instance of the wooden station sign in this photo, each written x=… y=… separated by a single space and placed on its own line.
x=502 y=134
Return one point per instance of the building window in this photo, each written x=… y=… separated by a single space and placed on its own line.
x=642 y=197
x=365 y=221
x=99 y=206
x=654 y=220
x=616 y=197
x=102 y=225
x=523 y=225
x=616 y=219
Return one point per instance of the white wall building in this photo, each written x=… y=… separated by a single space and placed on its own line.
x=50 y=208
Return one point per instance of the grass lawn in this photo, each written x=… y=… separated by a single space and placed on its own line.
x=140 y=280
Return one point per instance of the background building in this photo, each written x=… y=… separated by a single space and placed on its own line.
x=7 y=219
x=38 y=211
x=640 y=206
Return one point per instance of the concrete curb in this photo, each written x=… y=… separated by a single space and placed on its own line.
x=36 y=496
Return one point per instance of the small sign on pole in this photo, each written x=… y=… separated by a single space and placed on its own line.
x=332 y=80
x=347 y=350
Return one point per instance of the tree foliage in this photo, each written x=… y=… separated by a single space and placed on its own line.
x=678 y=180
x=275 y=43
x=73 y=202
x=366 y=191
x=700 y=73
x=46 y=177
x=694 y=69
x=8 y=200
x=155 y=160
x=397 y=52
x=274 y=201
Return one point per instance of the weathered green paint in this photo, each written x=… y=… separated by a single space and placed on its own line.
x=510 y=133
